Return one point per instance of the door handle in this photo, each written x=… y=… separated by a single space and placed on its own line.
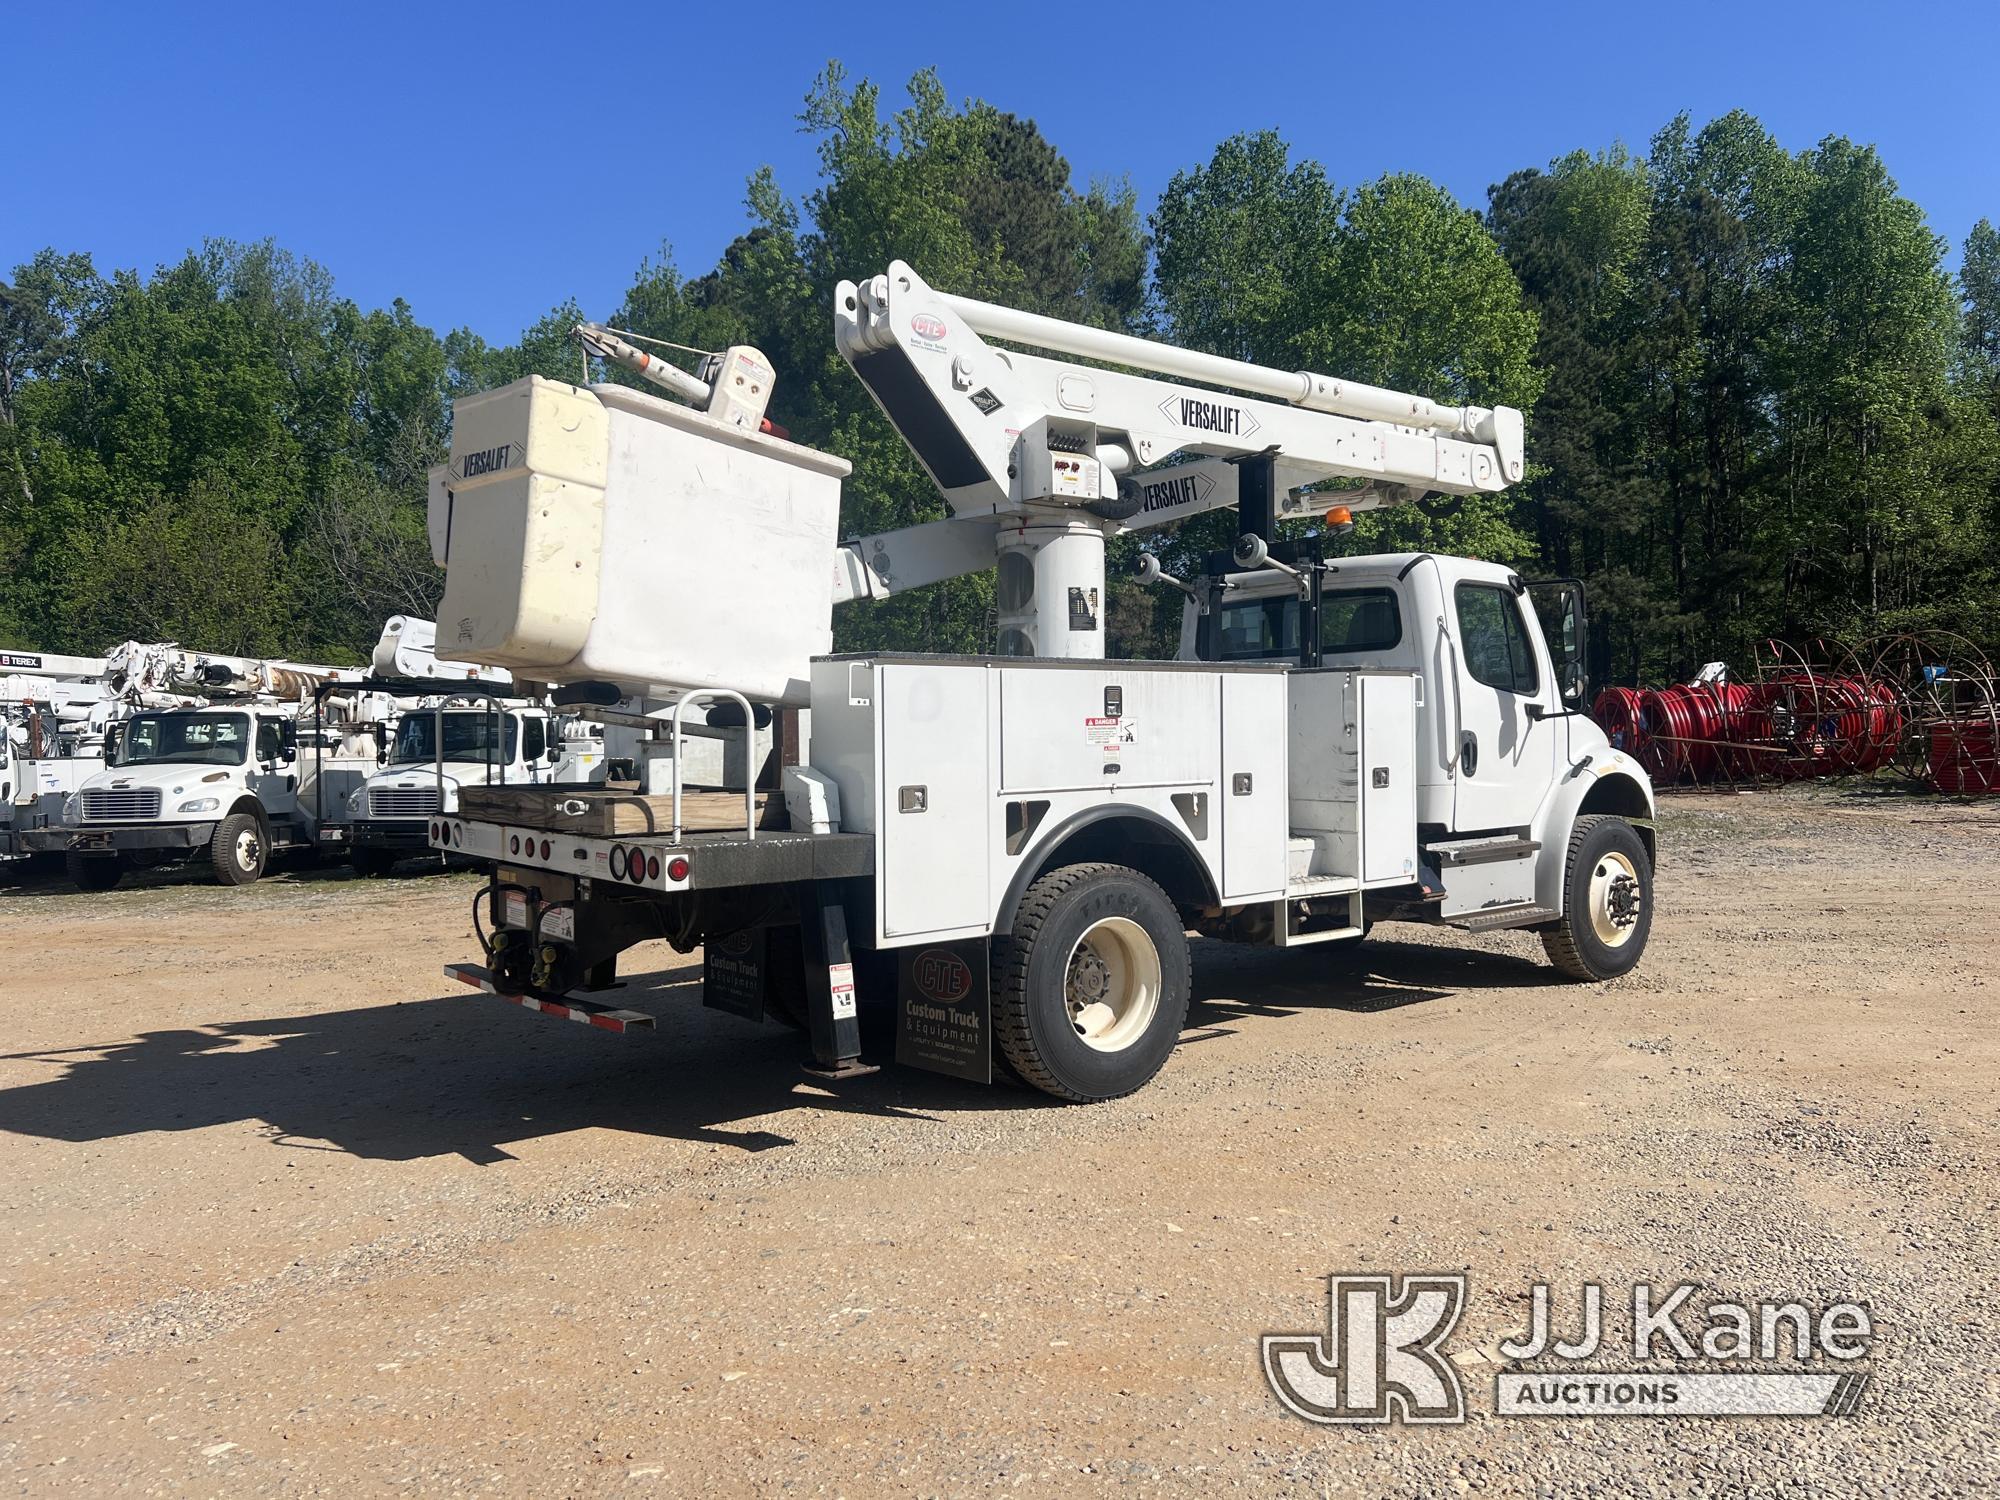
x=1468 y=752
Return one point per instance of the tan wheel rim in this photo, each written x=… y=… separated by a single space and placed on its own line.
x=1111 y=984
x=1614 y=900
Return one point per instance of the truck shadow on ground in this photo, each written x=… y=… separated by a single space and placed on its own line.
x=467 y=1075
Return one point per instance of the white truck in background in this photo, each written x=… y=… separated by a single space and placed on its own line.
x=445 y=739
x=50 y=738
x=1015 y=847
x=441 y=744
x=218 y=759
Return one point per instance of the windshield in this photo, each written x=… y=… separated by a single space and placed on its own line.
x=209 y=739
x=468 y=735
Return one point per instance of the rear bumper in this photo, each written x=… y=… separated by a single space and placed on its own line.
x=110 y=838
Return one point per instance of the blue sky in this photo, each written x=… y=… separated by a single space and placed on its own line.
x=486 y=161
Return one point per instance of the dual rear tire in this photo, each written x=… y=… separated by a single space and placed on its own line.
x=1091 y=983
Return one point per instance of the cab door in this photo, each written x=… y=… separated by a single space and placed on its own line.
x=273 y=771
x=1506 y=747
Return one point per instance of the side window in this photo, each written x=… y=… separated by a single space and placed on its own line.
x=1490 y=633
x=270 y=739
x=531 y=740
x=1257 y=630
x=1357 y=620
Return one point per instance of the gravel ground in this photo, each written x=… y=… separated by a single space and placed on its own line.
x=284 y=1212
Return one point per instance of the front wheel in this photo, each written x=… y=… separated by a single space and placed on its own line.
x=238 y=851
x=1091 y=985
x=95 y=872
x=1607 y=902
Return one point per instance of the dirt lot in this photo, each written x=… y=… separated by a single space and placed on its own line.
x=286 y=1212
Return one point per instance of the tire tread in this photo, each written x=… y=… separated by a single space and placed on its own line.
x=1011 y=955
x=1559 y=941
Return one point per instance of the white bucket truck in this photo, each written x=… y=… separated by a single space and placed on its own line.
x=1016 y=847
x=216 y=759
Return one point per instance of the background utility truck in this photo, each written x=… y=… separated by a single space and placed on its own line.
x=1016 y=846
x=438 y=742
x=441 y=744
x=209 y=763
x=47 y=746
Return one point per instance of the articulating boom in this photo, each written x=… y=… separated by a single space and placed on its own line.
x=1041 y=460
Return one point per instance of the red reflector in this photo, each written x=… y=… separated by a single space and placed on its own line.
x=545 y=848
x=677 y=868
x=652 y=867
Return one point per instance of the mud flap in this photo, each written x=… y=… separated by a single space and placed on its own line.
x=733 y=974
x=944 y=1009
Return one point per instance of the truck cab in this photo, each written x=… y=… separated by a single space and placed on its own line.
x=434 y=751
x=1503 y=739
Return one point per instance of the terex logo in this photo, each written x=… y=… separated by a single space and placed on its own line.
x=1210 y=416
x=941 y=976
x=1379 y=1359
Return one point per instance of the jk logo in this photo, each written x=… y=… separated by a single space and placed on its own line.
x=1379 y=1359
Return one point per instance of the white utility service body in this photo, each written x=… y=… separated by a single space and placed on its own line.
x=47 y=739
x=1015 y=847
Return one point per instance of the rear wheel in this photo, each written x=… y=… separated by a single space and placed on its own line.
x=372 y=863
x=95 y=872
x=238 y=851
x=1091 y=985
x=1607 y=902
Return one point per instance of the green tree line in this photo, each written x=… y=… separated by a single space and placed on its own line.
x=1758 y=402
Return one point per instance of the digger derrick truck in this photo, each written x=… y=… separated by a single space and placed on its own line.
x=1015 y=847
x=47 y=703
x=213 y=759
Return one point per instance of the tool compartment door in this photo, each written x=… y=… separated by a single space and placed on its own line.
x=1388 y=773
x=1253 y=797
x=935 y=799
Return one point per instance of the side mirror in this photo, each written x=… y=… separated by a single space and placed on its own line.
x=1575 y=688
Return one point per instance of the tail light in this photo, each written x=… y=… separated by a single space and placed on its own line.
x=545 y=848
x=652 y=867
x=618 y=858
x=677 y=868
